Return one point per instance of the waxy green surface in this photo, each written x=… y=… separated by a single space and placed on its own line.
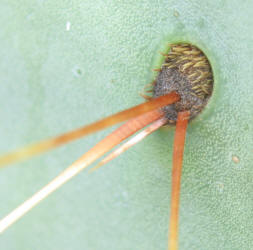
x=64 y=64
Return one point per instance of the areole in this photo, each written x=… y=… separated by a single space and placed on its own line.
x=187 y=71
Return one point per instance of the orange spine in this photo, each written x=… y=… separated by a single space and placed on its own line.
x=40 y=147
x=131 y=142
x=94 y=153
x=178 y=152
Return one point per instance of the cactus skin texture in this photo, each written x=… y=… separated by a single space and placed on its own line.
x=68 y=63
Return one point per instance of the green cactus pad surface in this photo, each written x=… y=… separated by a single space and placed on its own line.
x=64 y=64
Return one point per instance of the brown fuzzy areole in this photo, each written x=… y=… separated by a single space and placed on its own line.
x=187 y=71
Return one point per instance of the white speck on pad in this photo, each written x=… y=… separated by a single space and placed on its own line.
x=68 y=24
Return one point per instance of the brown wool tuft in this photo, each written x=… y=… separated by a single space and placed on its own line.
x=187 y=71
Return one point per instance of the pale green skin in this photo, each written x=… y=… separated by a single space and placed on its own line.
x=124 y=205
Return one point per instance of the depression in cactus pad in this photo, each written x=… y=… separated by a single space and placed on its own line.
x=68 y=63
x=187 y=71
